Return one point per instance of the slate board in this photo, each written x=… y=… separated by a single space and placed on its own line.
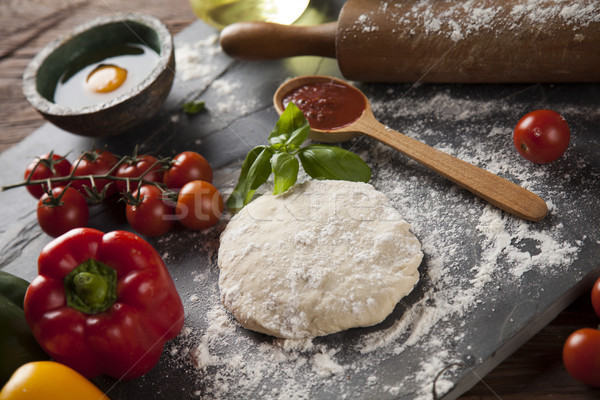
x=388 y=360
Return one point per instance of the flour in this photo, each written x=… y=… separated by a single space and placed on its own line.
x=324 y=365
x=196 y=61
x=191 y=58
x=364 y=23
x=226 y=89
x=503 y=238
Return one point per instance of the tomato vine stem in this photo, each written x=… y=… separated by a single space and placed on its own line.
x=126 y=195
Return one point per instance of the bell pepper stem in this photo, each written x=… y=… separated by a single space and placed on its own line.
x=91 y=287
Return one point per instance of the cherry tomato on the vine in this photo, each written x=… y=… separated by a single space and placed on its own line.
x=44 y=167
x=187 y=166
x=71 y=211
x=135 y=169
x=542 y=136
x=98 y=162
x=581 y=356
x=199 y=205
x=154 y=215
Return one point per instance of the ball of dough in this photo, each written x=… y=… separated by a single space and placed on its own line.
x=323 y=257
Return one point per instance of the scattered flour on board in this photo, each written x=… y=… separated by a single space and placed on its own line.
x=226 y=88
x=191 y=58
x=195 y=61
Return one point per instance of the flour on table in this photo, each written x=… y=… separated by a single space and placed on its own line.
x=196 y=61
x=191 y=58
x=323 y=257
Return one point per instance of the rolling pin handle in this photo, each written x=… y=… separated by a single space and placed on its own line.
x=269 y=41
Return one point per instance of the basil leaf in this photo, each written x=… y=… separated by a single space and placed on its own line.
x=237 y=198
x=298 y=137
x=290 y=120
x=259 y=172
x=330 y=162
x=193 y=107
x=285 y=167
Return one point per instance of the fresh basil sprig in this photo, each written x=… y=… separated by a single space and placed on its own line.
x=279 y=157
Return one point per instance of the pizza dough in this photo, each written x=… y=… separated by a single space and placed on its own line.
x=323 y=257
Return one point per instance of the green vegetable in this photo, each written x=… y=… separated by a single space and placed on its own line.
x=193 y=107
x=17 y=344
x=279 y=157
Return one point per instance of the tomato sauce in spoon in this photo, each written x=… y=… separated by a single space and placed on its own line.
x=327 y=105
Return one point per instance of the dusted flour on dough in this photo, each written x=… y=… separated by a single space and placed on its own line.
x=321 y=258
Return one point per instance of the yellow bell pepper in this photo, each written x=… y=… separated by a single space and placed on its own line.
x=49 y=380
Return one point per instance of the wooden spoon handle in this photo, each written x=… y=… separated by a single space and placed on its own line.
x=490 y=187
x=268 y=41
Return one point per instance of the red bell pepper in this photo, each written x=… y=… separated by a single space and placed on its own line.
x=103 y=303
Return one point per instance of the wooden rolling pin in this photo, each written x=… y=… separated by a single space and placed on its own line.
x=440 y=41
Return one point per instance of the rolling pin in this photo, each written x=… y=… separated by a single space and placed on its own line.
x=440 y=41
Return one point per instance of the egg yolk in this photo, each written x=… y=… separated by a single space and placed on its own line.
x=106 y=78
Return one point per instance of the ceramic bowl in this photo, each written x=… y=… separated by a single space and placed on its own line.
x=108 y=117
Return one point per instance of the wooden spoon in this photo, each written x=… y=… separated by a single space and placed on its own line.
x=490 y=187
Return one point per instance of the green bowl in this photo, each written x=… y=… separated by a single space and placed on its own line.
x=113 y=116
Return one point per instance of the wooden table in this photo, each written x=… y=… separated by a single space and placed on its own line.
x=533 y=372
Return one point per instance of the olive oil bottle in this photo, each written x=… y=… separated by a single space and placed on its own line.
x=220 y=13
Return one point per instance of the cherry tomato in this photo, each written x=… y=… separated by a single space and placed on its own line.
x=542 y=136
x=154 y=216
x=581 y=356
x=199 y=205
x=135 y=169
x=596 y=297
x=71 y=212
x=44 y=167
x=187 y=166
x=98 y=162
